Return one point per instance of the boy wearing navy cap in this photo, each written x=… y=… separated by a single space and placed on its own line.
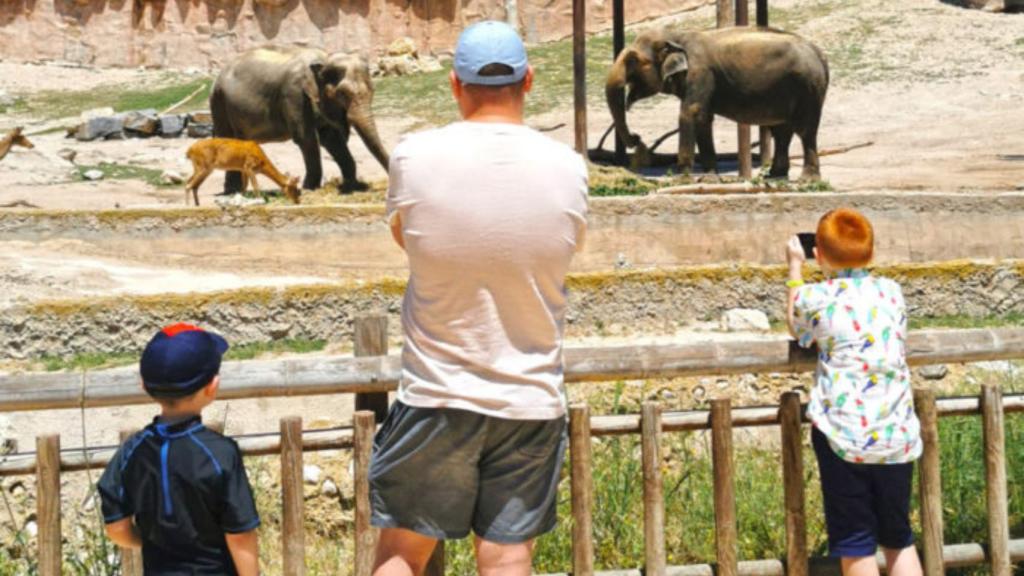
x=177 y=489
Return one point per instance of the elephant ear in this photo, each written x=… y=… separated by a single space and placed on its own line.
x=674 y=62
x=311 y=83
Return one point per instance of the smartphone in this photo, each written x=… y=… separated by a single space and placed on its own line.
x=808 y=242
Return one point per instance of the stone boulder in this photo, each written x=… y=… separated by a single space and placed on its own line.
x=744 y=320
x=172 y=125
x=198 y=130
x=141 y=123
x=404 y=46
x=101 y=127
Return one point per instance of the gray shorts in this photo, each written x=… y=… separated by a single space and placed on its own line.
x=441 y=472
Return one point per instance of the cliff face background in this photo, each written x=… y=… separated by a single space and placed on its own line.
x=206 y=33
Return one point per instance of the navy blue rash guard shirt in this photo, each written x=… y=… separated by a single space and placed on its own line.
x=186 y=487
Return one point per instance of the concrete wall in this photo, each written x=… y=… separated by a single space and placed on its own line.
x=654 y=302
x=207 y=33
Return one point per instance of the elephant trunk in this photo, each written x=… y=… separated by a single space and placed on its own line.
x=615 y=93
x=361 y=118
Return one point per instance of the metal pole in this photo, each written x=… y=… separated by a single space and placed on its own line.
x=743 y=130
x=618 y=44
x=579 y=70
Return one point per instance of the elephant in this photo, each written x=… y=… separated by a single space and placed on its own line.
x=751 y=75
x=273 y=94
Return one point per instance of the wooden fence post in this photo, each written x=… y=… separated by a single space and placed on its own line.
x=131 y=558
x=995 y=479
x=370 y=338
x=654 y=502
x=582 y=488
x=725 y=495
x=745 y=168
x=724 y=13
x=618 y=43
x=793 y=484
x=364 y=427
x=579 y=73
x=48 y=504
x=765 y=136
x=293 y=551
x=930 y=484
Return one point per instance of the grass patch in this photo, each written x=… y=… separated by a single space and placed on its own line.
x=961 y=321
x=115 y=171
x=100 y=360
x=54 y=104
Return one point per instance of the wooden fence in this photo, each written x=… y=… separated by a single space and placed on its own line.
x=373 y=376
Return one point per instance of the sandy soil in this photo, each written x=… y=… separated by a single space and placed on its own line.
x=934 y=87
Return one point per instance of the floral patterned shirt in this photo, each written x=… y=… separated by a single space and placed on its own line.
x=861 y=400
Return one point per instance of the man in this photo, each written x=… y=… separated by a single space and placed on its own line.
x=490 y=213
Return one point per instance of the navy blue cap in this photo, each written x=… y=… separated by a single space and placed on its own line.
x=180 y=359
x=489 y=42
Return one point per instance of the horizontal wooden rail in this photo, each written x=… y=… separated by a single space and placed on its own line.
x=955 y=555
x=347 y=374
x=74 y=459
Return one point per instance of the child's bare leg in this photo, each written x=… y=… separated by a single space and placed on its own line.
x=859 y=566
x=902 y=561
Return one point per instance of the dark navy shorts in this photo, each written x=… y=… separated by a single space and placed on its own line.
x=442 y=472
x=866 y=505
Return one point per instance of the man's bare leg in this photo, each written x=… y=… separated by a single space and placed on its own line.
x=859 y=565
x=494 y=559
x=902 y=561
x=402 y=552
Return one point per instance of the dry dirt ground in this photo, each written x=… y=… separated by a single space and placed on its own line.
x=938 y=89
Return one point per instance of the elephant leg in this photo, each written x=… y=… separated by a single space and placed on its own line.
x=336 y=143
x=812 y=170
x=782 y=135
x=706 y=143
x=222 y=129
x=311 y=156
x=687 y=139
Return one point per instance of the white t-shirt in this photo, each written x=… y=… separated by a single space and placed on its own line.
x=491 y=216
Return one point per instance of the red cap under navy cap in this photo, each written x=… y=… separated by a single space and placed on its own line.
x=181 y=359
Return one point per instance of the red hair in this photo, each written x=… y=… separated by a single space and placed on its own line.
x=845 y=239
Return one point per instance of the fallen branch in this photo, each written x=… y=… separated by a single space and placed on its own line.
x=840 y=150
x=550 y=128
x=737 y=188
x=18 y=204
x=186 y=99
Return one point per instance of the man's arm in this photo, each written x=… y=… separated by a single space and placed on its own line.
x=396 y=230
x=795 y=259
x=244 y=548
x=124 y=533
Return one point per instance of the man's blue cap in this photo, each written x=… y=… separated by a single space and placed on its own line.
x=179 y=360
x=489 y=42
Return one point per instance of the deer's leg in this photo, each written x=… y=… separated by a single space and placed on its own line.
x=195 y=182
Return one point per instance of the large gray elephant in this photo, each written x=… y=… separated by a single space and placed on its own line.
x=751 y=75
x=312 y=98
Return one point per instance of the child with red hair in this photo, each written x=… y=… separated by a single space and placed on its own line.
x=865 y=434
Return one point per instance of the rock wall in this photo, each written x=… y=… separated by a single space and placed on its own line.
x=606 y=304
x=207 y=33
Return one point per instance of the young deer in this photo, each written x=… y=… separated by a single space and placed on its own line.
x=14 y=138
x=229 y=154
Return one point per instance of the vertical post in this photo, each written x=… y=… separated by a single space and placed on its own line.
x=930 y=484
x=370 y=338
x=793 y=484
x=995 y=479
x=131 y=558
x=725 y=496
x=743 y=130
x=724 y=12
x=765 y=133
x=654 y=503
x=293 y=551
x=48 y=503
x=579 y=71
x=618 y=44
x=362 y=447
x=582 y=489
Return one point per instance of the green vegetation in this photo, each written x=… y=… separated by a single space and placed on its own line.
x=962 y=321
x=99 y=360
x=62 y=104
x=115 y=171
